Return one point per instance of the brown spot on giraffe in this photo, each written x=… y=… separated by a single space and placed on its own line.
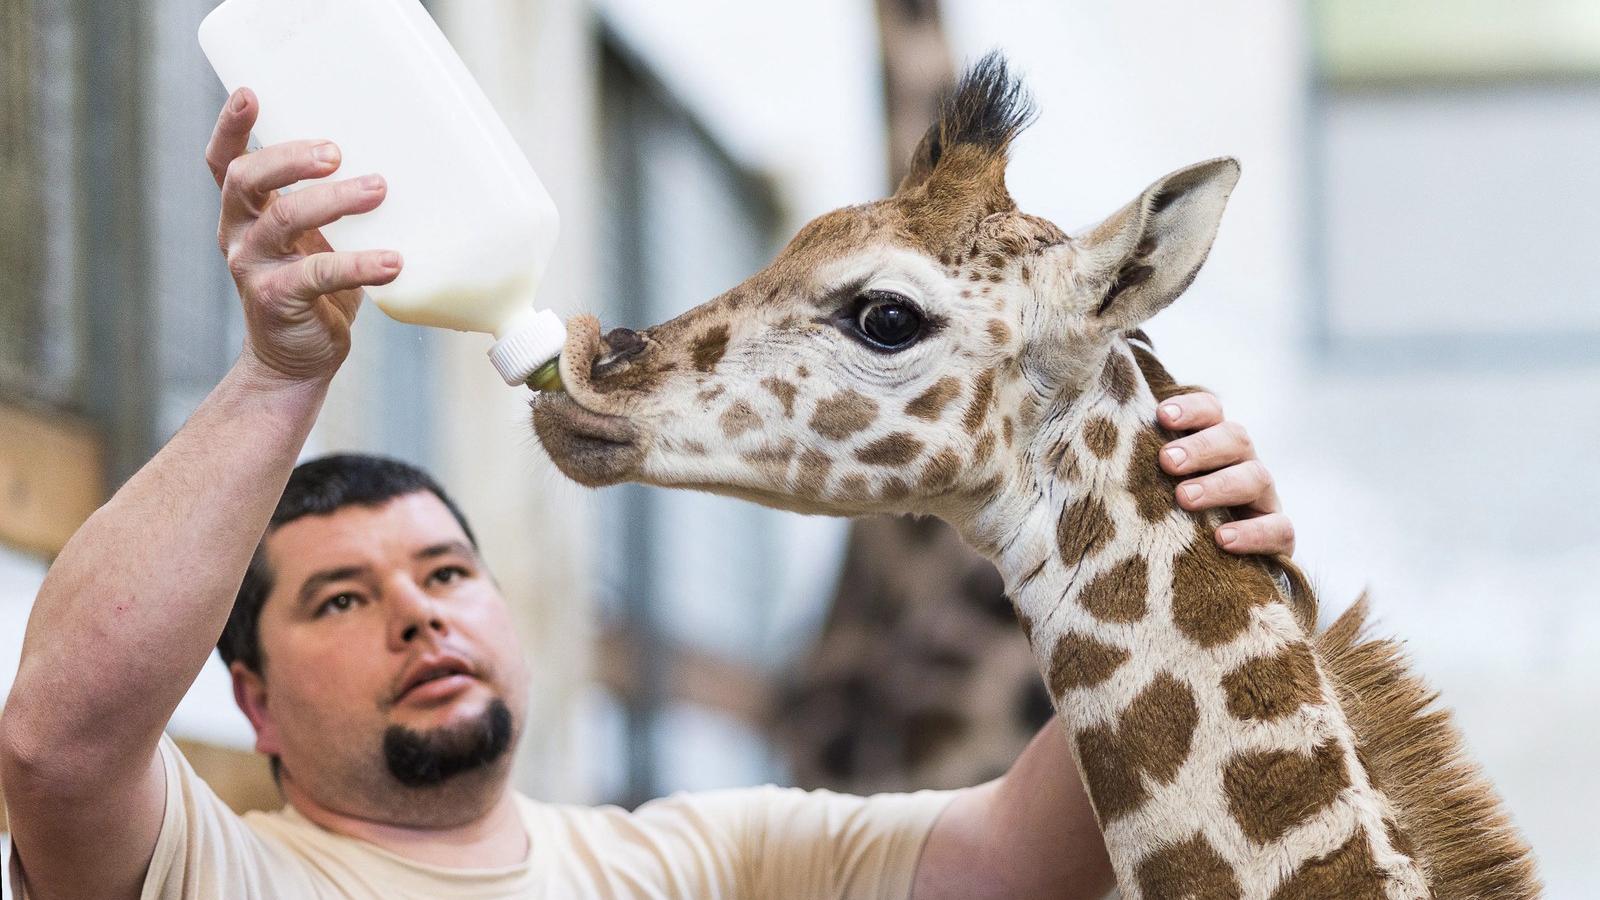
x=894 y=489
x=802 y=373
x=843 y=414
x=1154 y=491
x=986 y=489
x=941 y=471
x=709 y=394
x=1272 y=791
x=978 y=406
x=1213 y=593
x=772 y=459
x=709 y=348
x=1118 y=378
x=1100 y=436
x=1271 y=687
x=983 y=449
x=1027 y=625
x=1083 y=529
x=995 y=261
x=1080 y=661
x=999 y=333
x=855 y=487
x=785 y=392
x=930 y=404
x=1063 y=462
x=694 y=448
x=1028 y=412
x=1117 y=594
x=1008 y=430
x=1188 y=870
x=738 y=419
x=1152 y=737
x=813 y=475
x=1348 y=873
x=896 y=449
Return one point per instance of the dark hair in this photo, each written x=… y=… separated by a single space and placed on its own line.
x=317 y=488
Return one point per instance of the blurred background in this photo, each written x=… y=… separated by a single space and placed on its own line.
x=1401 y=306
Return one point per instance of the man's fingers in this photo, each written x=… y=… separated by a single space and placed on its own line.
x=251 y=179
x=1190 y=412
x=1220 y=445
x=1245 y=484
x=1269 y=534
x=288 y=216
x=325 y=273
x=231 y=135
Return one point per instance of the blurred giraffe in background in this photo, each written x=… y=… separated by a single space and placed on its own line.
x=919 y=677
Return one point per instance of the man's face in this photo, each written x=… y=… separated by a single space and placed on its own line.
x=382 y=625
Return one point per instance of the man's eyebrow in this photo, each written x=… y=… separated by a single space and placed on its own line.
x=445 y=549
x=317 y=582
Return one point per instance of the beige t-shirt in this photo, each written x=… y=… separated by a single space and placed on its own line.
x=765 y=843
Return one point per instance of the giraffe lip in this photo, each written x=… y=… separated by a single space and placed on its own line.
x=591 y=448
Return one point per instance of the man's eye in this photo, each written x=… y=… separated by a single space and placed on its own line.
x=888 y=321
x=338 y=603
x=449 y=574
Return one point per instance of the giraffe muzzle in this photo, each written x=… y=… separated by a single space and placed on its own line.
x=593 y=449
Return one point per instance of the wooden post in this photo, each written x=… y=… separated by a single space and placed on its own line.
x=917 y=69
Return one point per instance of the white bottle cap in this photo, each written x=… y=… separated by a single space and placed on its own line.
x=527 y=345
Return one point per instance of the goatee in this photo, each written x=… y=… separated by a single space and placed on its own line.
x=429 y=758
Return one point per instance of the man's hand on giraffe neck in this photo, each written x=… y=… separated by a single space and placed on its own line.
x=1033 y=832
x=1220 y=468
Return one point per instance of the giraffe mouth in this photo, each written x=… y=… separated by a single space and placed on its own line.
x=593 y=449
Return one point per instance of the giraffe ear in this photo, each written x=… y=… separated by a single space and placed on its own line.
x=1148 y=252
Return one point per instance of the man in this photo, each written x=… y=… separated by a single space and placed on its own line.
x=374 y=656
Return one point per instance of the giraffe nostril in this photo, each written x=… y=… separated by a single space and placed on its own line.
x=621 y=344
x=624 y=341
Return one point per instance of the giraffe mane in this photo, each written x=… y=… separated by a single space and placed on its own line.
x=1416 y=756
x=1413 y=752
x=977 y=121
x=988 y=108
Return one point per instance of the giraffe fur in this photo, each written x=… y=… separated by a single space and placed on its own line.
x=1222 y=757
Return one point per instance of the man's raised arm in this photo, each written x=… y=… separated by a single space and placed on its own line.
x=131 y=608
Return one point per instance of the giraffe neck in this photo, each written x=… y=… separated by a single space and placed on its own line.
x=1218 y=760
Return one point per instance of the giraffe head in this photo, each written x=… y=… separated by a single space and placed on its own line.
x=898 y=356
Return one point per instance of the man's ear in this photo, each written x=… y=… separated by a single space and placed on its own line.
x=1148 y=252
x=250 y=692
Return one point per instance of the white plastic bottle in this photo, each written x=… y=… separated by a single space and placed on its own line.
x=464 y=207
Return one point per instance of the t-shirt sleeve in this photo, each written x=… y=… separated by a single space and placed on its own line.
x=791 y=844
x=205 y=850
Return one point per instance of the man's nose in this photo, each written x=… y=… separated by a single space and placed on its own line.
x=413 y=615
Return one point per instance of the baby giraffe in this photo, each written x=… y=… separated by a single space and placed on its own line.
x=942 y=353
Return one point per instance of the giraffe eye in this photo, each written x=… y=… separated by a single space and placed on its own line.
x=888 y=321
